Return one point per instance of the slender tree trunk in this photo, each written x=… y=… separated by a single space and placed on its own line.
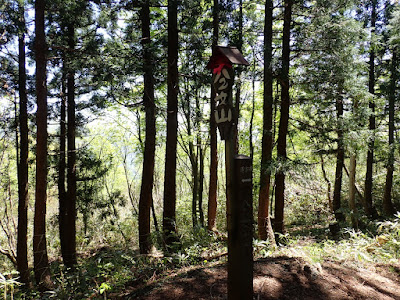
x=23 y=198
x=62 y=194
x=193 y=154
x=352 y=190
x=253 y=103
x=369 y=209
x=339 y=162
x=153 y=211
x=169 y=226
x=388 y=208
x=213 y=186
x=284 y=119
x=328 y=192
x=69 y=251
x=195 y=181
x=238 y=82
x=146 y=191
x=201 y=182
x=352 y=179
x=41 y=262
x=264 y=221
x=200 y=161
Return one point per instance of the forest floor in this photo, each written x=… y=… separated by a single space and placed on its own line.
x=279 y=277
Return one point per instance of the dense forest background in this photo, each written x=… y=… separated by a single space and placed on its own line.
x=108 y=136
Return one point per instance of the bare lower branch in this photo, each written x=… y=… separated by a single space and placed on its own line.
x=10 y=255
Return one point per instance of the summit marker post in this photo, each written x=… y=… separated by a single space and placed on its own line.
x=238 y=170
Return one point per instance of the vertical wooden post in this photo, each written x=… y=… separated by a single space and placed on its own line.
x=239 y=205
x=240 y=231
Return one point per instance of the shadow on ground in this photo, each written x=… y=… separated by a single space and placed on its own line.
x=277 y=278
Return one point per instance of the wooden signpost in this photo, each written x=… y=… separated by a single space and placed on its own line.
x=238 y=177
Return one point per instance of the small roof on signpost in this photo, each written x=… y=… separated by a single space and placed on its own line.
x=228 y=55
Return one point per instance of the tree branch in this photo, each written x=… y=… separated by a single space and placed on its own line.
x=10 y=255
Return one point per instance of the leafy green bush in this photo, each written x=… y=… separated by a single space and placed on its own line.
x=7 y=284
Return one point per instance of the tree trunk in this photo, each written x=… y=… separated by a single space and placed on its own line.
x=388 y=208
x=169 y=226
x=253 y=104
x=328 y=192
x=23 y=199
x=192 y=152
x=352 y=191
x=238 y=81
x=41 y=262
x=201 y=181
x=62 y=194
x=284 y=119
x=195 y=179
x=264 y=221
x=339 y=162
x=69 y=219
x=200 y=161
x=352 y=179
x=369 y=209
x=146 y=191
x=212 y=192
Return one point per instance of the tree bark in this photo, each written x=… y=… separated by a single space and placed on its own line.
x=339 y=162
x=41 y=262
x=212 y=192
x=369 y=209
x=253 y=104
x=238 y=81
x=328 y=192
x=169 y=226
x=192 y=151
x=200 y=160
x=201 y=181
x=23 y=198
x=146 y=191
x=69 y=251
x=264 y=221
x=195 y=178
x=388 y=207
x=284 y=119
x=62 y=194
x=352 y=179
x=352 y=190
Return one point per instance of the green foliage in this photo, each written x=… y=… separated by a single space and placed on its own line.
x=394 y=27
x=8 y=283
x=262 y=248
x=388 y=242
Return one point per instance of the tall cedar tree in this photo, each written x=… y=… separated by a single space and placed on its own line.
x=369 y=209
x=212 y=189
x=23 y=199
x=69 y=219
x=62 y=164
x=284 y=119
x=388 y=208
x=41 y=261
x=264 y=222
x=169 y=226
x=146 y=190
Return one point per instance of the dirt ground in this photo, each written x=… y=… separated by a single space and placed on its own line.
x=277 y=278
